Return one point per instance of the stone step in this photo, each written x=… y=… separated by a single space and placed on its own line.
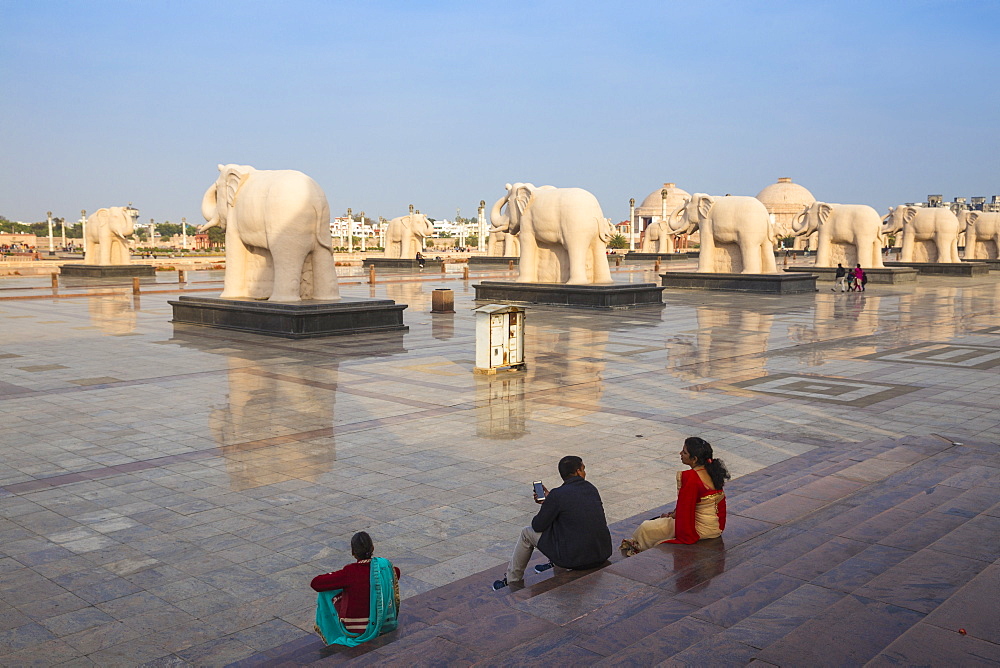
x=837 y=556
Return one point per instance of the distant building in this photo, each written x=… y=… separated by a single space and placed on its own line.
x=785 y=200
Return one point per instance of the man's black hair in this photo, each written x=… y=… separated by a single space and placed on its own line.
x=569 y=465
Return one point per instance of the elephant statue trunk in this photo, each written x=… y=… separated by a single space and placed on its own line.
x=210 y=211
x=804 y=224
x=499 y=221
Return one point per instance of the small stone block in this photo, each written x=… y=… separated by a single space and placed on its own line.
x=879 y=275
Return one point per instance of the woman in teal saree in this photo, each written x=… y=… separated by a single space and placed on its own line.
x=360 y=601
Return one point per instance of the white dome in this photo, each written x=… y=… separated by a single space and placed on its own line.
x=653 y=204
x=785 y=196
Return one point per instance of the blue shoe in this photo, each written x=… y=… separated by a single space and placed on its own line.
x=499 y=584
x=541 y=568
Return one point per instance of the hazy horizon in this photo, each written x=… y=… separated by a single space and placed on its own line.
x=439 y=104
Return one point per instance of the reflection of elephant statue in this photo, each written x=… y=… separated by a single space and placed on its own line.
x=502 y=244
x=930 y=234
x=736 y=233
x=406 y=234
x=982 y=230
x=848 y=233
x=277 y=225
x=106 y=233
x=563 y=233
x=657 y=238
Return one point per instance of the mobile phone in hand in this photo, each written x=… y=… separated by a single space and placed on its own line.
x=539 y=490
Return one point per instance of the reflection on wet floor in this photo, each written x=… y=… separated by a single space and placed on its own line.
x=257 y=458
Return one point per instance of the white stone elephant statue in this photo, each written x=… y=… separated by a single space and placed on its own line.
x=405 y=235
x=502 y=244
x=847 y=233
x=930 y=234
x=108 y=230
x=562 y=231
x=278 y=244
x=736 y=233
x=982 y=234
x=656 y=238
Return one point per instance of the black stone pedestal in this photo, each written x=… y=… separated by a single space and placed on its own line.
x=614 y=296
x=404 y=263
x=885 y=276
x=106 y=270
x=633 y=256
x=994 y=265
x=292 y=320
x=780 y=284
x=945 y=268
x=492 y=261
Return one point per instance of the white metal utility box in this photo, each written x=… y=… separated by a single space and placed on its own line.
x=499 y=338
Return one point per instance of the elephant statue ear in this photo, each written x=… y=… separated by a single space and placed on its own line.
x=705 y=204
x=909 y=213
x=824 y=211
x=971 y=217
x=234 y=176
x=522 y=195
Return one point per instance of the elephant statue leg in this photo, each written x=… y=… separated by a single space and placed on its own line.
x=823 y=252
x=528 y=265
x=876 y=253
x=752 y=256
x=237 y=257
x=706 y=255
x=288 y=264
x=767 y=262
x=602 y=270
x=325 y=284
x=577 y=249
x=906 y=253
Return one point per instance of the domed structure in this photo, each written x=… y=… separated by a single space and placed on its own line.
x=784 y=200
x=652 y=206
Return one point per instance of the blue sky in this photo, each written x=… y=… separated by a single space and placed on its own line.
x=441 y=103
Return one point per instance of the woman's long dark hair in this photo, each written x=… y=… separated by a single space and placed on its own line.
x=701 y=450
x=362 y=546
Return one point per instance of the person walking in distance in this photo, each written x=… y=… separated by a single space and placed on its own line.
x=840 y=275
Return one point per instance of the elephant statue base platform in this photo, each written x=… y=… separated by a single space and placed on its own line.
x=635 y=256
x=614 y=296
x=876 y=275
x=775 y=284
x=304 y=319
x=967 y=269
x=493 y=261
x=406 y=263
x=106 y=270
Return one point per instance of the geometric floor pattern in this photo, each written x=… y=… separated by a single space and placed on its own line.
x=822 y=388
x=167 y=491
x=943 y=354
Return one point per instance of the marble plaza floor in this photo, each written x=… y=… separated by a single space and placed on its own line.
x=167 y=492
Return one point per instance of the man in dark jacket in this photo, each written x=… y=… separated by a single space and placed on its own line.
x=570 y=528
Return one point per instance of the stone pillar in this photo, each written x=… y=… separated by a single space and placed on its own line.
x=631 y=224
x=48 y=215
x=83 y=227
x=364 y=233
x=350 y=231
x=184 y=233
x=482 y=225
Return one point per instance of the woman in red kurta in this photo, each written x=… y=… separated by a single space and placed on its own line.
x=354 y=603
x=701 y=504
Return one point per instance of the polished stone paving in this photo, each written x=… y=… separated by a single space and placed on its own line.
x=166 y=492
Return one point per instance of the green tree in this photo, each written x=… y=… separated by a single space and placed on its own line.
x=618 y=241
x=472 y=240
x=217 y=236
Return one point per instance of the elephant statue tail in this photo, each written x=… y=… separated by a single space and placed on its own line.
x=605 y=230
x=323 y=234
